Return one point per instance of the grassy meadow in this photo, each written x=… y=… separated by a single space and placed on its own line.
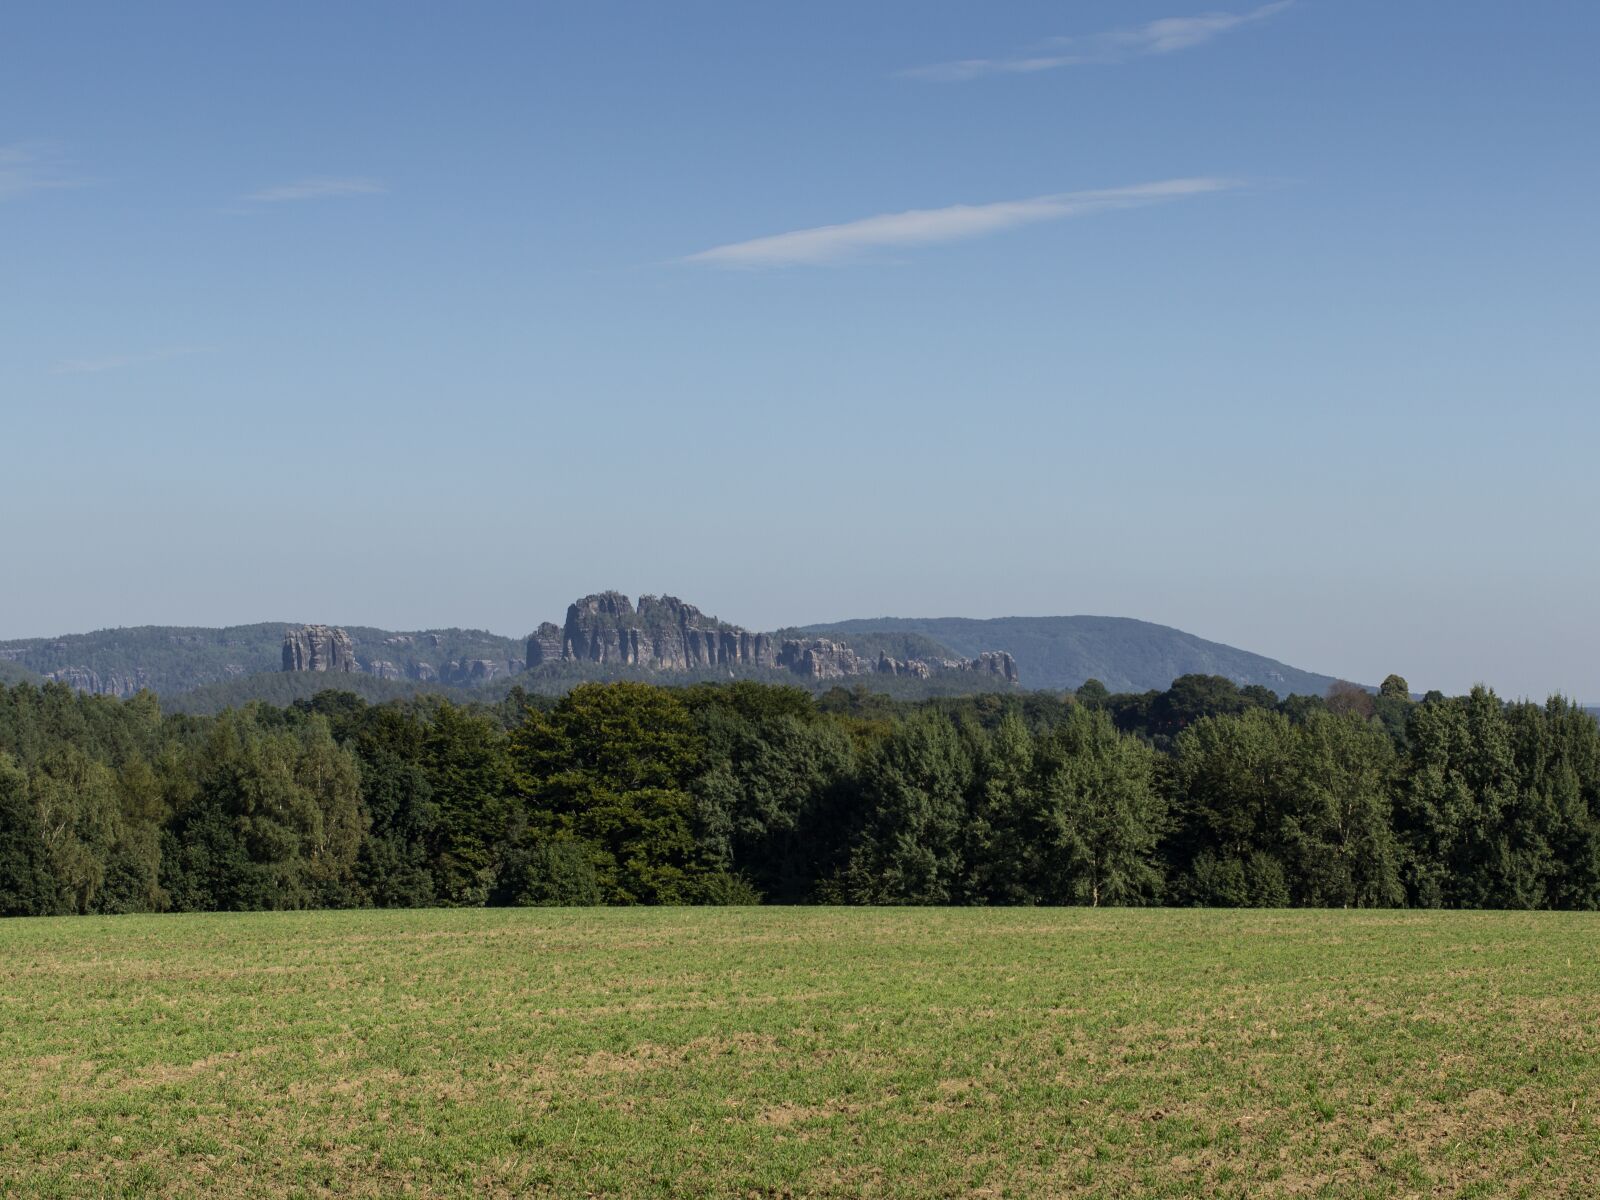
x=802 y=1052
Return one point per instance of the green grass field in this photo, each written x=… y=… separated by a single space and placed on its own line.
x=779 y=1052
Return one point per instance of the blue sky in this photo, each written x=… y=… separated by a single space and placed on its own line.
x=1276 y=323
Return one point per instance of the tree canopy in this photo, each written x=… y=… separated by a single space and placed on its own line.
x=630 y=793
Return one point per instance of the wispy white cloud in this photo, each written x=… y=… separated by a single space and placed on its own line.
x=116 y=362
x=31 y=167
x=314 y=189
x=920 y=227
x=1164 y=36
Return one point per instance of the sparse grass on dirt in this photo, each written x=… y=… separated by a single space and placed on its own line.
x=792 y=1052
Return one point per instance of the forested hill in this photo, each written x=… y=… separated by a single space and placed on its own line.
x=173 y=659
x=219 y=667
x=1062 y=652
x=10 y=672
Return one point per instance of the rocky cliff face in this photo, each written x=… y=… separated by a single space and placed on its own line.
x=823 y=658
x=914 y=667
x=993 y=662
x=663 y=634
x=318 y=648
x=113 y=683
x=477 y=670
x=544 y=644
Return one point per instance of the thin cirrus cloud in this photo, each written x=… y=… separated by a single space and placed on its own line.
x=921 y=227
x=30 y=167
x=315 y=189
x=1164 y=36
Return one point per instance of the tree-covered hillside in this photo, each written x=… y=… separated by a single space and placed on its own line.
x=1063 y=652
x=283 y=688
x=11 y=672
x=229 y=666
x=171 y=659
x=549 y=680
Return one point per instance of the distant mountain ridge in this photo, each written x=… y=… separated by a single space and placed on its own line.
x=606 y=637
x=1126 y=655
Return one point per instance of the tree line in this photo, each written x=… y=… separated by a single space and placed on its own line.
x=737 y=793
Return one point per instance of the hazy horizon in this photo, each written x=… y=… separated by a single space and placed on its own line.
x=1272 y=323
x=558 y=614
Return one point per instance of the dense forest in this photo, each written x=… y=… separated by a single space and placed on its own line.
x=719 y=793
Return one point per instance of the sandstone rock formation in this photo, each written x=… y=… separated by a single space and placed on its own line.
x=663 y=634
x=821 y=658
x=914 y=667
x=477 y=670
x=544 y=644
x=123 y=684
x=318 y=648
x=994 y=662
